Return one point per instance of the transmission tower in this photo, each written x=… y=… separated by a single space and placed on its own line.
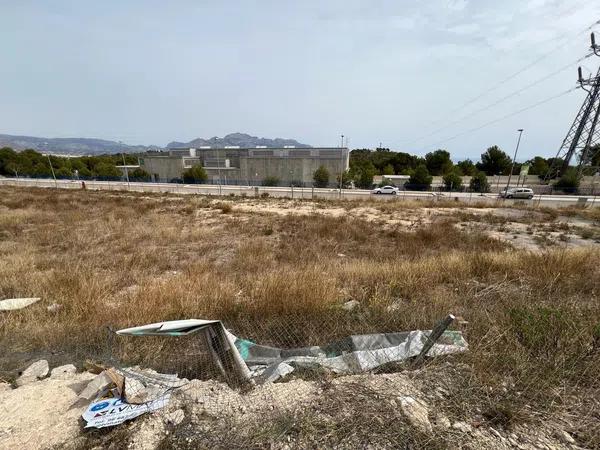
x=585 y=130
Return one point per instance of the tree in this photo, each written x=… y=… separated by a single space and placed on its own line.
x=346 y=178
x=270 y=181
x=479 y=182
x=63 y=173
x=107 y=170
x=453 y=180
x=494 y=161
x=321 y=177
x=195 y=174
x=388 y=170
x=139 y=174
x=362 y=174
x=420 y=180
x=466 y=167
x=438 y=162
x=569 y=181
x=538 y=166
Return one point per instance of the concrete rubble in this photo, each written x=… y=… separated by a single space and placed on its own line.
x=34 y=372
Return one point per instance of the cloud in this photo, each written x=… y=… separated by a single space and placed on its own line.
x=465 y=28
x=457 y=5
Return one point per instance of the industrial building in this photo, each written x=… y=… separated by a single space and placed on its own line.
x=247 y=166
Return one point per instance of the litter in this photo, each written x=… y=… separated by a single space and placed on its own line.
x=351 y=355
x=123 y=394
x=12 y=304
x=108 y=412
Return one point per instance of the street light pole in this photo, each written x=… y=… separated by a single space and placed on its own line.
x=219 y=170
x=126 y=171
x=512 y=166
x=341 y=163
x=52 y=170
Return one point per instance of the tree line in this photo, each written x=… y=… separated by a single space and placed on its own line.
x=30 y=163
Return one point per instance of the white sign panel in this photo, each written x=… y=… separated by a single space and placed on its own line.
x=113 y=411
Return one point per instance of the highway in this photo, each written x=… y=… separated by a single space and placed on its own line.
x=299 y=193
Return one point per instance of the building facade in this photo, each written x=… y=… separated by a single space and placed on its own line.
x=248 y=166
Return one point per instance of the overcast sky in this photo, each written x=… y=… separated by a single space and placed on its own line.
x=377 y=71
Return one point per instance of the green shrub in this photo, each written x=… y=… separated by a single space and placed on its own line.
x=195 y=174
x=321 y=177
x=271 y=181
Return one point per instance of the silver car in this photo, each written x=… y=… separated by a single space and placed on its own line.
x=517 y=193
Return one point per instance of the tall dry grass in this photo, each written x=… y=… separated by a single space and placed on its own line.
x=128 y=259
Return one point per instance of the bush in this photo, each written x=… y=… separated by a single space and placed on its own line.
x=270 y=181
x=452 y=181
x=195 y=174
x=569 y=181
x=139 y=174
x=420 y=180
x=321 y=177
x=479 y=182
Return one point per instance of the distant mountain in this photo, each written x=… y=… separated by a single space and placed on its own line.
x=239 y=139
x=88 y=146
x=70 y=146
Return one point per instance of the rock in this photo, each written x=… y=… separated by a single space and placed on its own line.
x=416 y=412
x=63 y=372
x=5 y=387
x=565 y=437
x=34 y=372
x=54 y=308
x=350 y=305
x=97 y=386
x=174 y=418
x=462 y=426
x=442 y=421
x=135 y=391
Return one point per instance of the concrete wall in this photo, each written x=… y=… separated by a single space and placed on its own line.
x=249 y=166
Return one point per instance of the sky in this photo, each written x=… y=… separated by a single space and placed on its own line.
x=397 y=73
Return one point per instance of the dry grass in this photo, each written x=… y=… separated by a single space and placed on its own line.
x=127 y=259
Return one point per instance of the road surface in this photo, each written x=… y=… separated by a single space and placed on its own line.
x=299 y=193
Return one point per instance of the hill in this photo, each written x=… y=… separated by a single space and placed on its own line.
x=239 y=139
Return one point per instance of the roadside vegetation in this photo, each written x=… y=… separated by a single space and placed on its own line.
x=530 y=315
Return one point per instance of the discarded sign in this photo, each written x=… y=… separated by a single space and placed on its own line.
x=113 y=411
x=354 y=354
x=12 y=304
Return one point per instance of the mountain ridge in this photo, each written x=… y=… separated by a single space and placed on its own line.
x=93 y=146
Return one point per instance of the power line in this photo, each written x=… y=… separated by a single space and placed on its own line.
x=497 y=102
x=492 y=122
x=520 y=71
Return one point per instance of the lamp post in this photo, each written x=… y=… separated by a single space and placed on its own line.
x=512 y=166
x=219 y=170
x=341 y=163
x=52 y=170
x=126 y=171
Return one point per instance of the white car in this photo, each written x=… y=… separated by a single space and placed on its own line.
x=386 y=190
x=517 y=193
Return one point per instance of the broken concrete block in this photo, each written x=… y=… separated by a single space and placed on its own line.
x=63 y=372
x=34 y=372
x=416 y=412
x=135 y=391
x=100 y=384
x=351 y=305
x=174 y=418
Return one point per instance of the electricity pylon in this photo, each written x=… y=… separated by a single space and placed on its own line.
x=585 y=130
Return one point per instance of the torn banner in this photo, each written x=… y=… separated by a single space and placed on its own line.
x=354 y=354
x=108 y=412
